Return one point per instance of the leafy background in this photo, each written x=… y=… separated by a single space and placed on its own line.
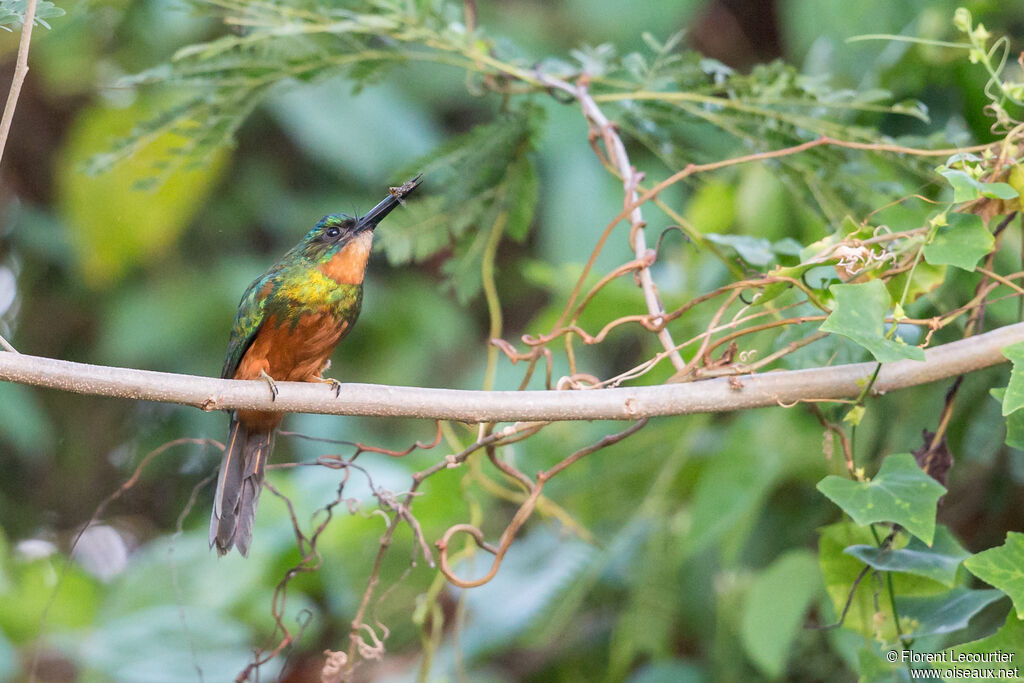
x=699 y=549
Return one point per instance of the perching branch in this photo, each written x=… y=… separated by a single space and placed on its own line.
x=713 y=395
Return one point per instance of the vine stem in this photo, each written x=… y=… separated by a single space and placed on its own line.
x=491 y=295
x=616 y=152
x=705 y=396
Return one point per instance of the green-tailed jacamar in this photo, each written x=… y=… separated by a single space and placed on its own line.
x=288 y=322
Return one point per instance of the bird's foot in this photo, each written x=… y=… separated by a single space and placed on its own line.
x=271 y=383
x=335 y=384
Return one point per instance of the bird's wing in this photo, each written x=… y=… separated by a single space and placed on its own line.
x=248 y=320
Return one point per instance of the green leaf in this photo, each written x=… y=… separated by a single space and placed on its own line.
x=1003 y=567
x=946 y=613
x=848 y=228
x=840 y=571
x=463 y=269
x=998 y=191
x=13 y=12
x=728 y=489
x=1015 y=430
x=472 y=180
x=775 y=607
x=1013 y=399
x=787 y=246
x=961 y=243
x=938 y=562
x=27 y=588
x=859 y=315
x=522 y=189
x=900 y=493
x=1009 y=639
x=756 y=251
x=921 y=280
x=713 y=207
x=855 y=415
x=644 y=627
x=966 y=188
x=1014 y=421
x=874 y=668
x=776 y=289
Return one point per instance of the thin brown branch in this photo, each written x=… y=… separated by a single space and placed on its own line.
x=7 y=345
x=715 y=395
x=615 y=151
x=522 y=514
x=693 y=169
x=366 y=448
x=20 y=72
x=746 y=368
x=1000 y=279
x=355 y=636
x=96 y=515
x=606 y=441
x=849 y=600
x=836 y=431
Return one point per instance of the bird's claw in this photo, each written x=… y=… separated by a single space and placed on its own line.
x=271 y=383
x=335 y=384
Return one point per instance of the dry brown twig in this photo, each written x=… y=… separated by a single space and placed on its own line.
x=401 y=510
x=615 y=152
x=18 y=79
x=96 y=516
x=522 y=514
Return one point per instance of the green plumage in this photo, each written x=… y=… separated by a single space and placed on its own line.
x=294 y=286
x=287 y=324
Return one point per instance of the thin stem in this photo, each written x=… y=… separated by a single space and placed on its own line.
x=20 y=72
x=491 y=295
x=888 y=581
x=7 y=345
x=616 y=153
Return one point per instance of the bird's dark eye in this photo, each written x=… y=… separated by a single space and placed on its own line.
x=333 y=232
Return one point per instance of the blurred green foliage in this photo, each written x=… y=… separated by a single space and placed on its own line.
x=699 y=548
x=13 y=12
x=118 y=225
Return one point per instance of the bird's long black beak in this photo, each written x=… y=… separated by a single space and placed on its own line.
x=394 y=198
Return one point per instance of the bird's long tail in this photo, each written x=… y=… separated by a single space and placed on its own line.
x=238 y=486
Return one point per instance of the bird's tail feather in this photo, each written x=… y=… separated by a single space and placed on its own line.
x=238 y=487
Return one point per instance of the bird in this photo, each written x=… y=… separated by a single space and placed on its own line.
x=288 y=323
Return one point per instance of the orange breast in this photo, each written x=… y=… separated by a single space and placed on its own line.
x=288 y=353
x=295 y=353
x=348 y=266
x=298 y=352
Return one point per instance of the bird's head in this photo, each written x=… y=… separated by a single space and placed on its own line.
x=341 y=244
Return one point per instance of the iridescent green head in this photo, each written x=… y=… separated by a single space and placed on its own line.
x=336 y=231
